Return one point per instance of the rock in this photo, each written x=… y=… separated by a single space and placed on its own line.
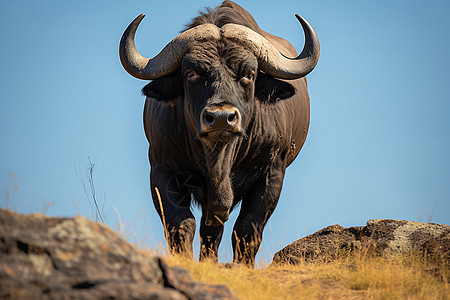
x=44 y=257
x=379 y=237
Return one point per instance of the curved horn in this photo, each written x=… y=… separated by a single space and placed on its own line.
x=271 y=60
x=169 y=59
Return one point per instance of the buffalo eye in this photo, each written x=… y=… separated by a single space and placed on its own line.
x=249 y=78
x=190 y=74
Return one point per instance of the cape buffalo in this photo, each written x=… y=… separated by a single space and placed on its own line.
x=226 y=112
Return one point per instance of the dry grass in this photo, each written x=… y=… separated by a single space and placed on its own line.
x=349 y=278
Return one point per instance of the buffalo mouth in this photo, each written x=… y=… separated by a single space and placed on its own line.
x=223 y=136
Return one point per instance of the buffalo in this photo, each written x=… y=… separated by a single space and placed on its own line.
x=226 y=112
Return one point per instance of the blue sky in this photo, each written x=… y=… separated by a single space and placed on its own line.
x=379 y=139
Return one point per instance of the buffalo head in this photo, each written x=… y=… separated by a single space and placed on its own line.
x=217 y=69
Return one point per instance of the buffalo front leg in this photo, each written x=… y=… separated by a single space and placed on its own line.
x=172 y=200
x=210 y=237
x=256 y=208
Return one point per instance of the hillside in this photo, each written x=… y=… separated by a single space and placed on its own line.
x=73 y=258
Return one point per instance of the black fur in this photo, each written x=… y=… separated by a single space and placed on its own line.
x=220 y=16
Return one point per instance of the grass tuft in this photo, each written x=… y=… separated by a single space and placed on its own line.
x=348 y=277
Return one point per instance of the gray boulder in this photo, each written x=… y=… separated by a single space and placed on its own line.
x=43 y=257
x=378 y=237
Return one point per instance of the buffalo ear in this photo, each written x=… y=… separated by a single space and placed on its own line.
x=270 y=89
x=167 y=88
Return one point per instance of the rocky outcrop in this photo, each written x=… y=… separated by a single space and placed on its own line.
x=378 y=237
x=43 y=257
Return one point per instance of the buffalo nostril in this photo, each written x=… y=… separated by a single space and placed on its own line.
x=209 y=118
x=232 y=117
